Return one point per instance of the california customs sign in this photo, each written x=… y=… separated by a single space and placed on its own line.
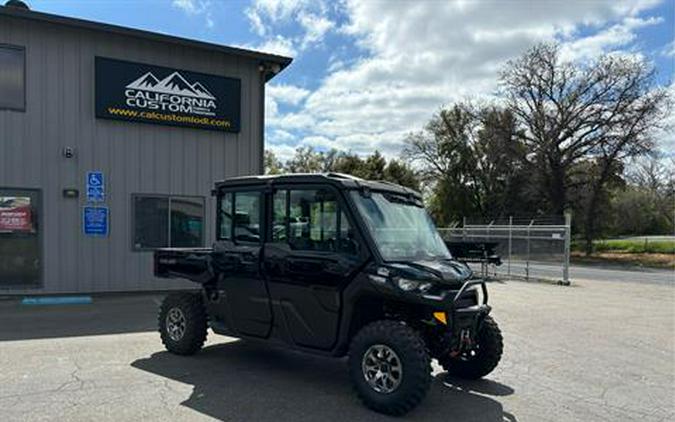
x=154 y=94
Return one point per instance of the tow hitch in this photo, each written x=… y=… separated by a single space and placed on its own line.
x=465 y=343
x=468 y=320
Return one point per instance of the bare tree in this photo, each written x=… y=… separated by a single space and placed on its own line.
x=652 y=172
x=605 y=110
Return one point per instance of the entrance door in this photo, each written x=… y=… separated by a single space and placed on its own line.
x=312 y=254
x=20 y=246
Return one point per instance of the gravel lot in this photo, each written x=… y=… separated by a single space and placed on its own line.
x=595 y=351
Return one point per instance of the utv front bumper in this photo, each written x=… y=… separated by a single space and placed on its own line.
x=462 y=309
x=468 y=317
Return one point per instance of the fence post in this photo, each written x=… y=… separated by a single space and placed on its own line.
x=510 y=236
x=568 y=244
x=527 y=261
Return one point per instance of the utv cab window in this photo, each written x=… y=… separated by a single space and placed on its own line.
x=401 y=228
x=279 y=219
x=311 y=220
x=225 y=217
x=239 y=215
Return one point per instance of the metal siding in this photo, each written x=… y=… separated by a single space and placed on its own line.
x=136 y=157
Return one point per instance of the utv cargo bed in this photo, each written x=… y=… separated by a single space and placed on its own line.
x=194 y=264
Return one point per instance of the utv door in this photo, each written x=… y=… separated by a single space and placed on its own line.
x=312 y=254
x=245 y=305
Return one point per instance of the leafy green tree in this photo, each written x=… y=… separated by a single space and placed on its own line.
x=305 y=160
x=272 y=164
x=372 y=167
x=402 y=174
x=646 y=203
x=473 y=162
x=351 y=164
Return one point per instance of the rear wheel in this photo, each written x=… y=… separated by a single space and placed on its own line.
x=390 y=367
x=483 y=359
x=183 y=323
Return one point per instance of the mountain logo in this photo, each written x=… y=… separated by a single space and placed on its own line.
x=174 y=84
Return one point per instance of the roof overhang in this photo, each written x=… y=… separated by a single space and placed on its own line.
x=270 y=64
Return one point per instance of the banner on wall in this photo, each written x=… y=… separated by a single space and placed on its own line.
x=16 y=214
x=161 y=95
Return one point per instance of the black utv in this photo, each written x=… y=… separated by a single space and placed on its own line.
x=334 y=265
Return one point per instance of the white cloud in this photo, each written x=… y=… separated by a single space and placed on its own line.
x=315 y=27
x=277 y=10
x=291 y=121
x=666 y=137
x=189 y=6
x=196 y=8
x=285 y=93
x=282 y=137
x=265 y=15
x=283 y=152
x=618 y=35
x=423 y=55
x=278 y=45
x=289 y=95
x=256 y=22
x=669 y=50
x=318 y=142
x=335 y=64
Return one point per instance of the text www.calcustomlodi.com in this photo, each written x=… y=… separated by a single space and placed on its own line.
x=152 y=115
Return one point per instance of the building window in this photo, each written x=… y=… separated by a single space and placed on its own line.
x=168 y=221
x=12 y=78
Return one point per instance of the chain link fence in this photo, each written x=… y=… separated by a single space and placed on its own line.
x=536 y=248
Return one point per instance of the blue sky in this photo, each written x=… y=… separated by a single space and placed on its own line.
x=368 y=72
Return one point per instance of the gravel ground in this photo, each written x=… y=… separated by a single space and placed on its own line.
x=592 y=352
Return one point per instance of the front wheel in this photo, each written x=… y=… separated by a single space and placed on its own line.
x=183 y=323
x=482 y=359
x=390 y=367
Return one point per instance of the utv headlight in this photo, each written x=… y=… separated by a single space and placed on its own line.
x=408 y=285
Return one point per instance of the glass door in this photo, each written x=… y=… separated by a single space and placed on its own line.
x=20 y=245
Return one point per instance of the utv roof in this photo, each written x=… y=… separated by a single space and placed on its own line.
x=341 y=181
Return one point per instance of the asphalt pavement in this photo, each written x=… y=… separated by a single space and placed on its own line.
x=615 y=273
x=594 y=351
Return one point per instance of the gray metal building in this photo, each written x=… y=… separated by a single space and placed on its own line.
x=110 y=141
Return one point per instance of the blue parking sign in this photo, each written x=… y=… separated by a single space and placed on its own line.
x=95 y=221
x=95 y=186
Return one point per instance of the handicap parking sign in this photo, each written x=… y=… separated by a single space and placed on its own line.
x=95 y=186
x=95 y=221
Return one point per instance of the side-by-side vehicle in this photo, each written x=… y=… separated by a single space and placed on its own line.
x=334 y=265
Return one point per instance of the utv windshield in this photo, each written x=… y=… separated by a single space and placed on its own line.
x=401 y=228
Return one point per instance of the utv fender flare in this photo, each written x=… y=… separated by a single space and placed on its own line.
x=361 y=308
